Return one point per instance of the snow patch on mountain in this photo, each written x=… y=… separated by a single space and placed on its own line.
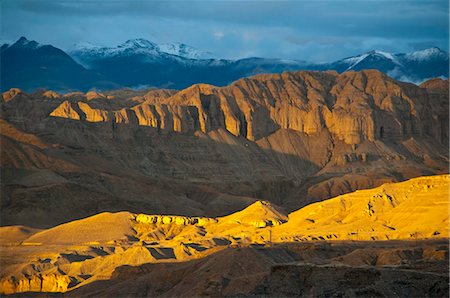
x=427 y=54
x=355 y=60
x=184 y=50
x=385 y=55
x=138 y=43
x=137 y=46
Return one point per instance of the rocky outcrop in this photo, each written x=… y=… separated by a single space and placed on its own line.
x=93 y=115
x=178 y=220
x=51 y=94
x=158 y=95
x=8 y=95
x=260 y=214
x=438 y=93
x=94 y=95
x=65 y=110
x=36 y=283
x=353 y=107
x=166 y=117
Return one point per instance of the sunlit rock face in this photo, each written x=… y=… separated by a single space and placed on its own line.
x=178 y=220
x=6 y=96
x=353 y=107
x=36 y=283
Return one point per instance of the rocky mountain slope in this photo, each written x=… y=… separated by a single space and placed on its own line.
x=139 y=63
x=290 y=139
x=83 y=255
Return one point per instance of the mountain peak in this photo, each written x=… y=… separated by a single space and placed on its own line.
x=24 y=42
x=381 y=54
x=138 y=43
x=259 y=214
x=427 y=54
x=22 y=39
x=434 y=49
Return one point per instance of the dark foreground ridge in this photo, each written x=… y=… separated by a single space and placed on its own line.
x=345 y=269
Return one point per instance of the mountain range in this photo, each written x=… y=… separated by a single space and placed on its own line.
x=85 y=52
x=140 y=63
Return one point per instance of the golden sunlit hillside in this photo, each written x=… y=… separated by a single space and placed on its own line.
x=414 y=209
x=87 y=251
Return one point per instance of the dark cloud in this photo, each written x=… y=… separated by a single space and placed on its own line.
x=309 y=30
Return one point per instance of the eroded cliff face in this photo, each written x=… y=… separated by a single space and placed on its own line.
x=37 y=283
x=178 y=220
x=353 y=107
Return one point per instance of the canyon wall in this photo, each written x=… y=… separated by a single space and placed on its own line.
x=353 y=107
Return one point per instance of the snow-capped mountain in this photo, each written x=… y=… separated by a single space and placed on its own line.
x=139 y=62
x=411 y=67
x=433 y=53
x=86 y=53
x=175 y=65
x=184 y=50
x=175 y=59
x=397 y=59
x=355 y=61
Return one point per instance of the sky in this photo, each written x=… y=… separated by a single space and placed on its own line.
x=312 y=30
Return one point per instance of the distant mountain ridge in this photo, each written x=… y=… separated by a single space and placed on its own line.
x=410 y=67
x=140 y=63
x=84 y=53
x=30 y=65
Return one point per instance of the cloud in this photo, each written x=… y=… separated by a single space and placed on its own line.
x=320 y=30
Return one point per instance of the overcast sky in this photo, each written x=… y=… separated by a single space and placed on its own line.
x=305 y=30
